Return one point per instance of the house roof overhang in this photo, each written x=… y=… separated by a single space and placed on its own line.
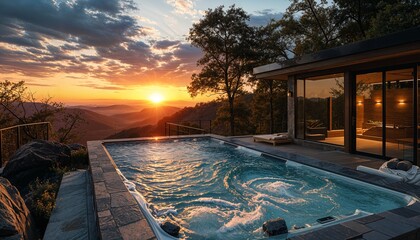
x=400 y=45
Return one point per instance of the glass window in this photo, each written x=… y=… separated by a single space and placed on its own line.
x=369 y=113
x=399 y=114
x=324 y=108
x=300 y=108
x=418 y=115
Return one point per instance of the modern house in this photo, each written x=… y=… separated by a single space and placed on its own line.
x=362 y=97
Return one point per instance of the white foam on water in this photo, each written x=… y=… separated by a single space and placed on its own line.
x=242 y=219
x=217 y=201
x=248 y=150
x=154 y=223
x=200 y=212
x=207 y=219
x=266 y=199
x=130 y=186
x=272 y=185
x=166 y=211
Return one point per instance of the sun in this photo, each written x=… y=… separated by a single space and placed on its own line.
x=156 y=97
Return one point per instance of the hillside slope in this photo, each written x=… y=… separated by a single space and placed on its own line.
x=95 y=126
x=202 y=111
x=147 y=116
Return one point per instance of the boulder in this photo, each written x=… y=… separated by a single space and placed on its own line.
x=15 y=219
x=76 y=146
x=33 y=160
x=275 y=227
x=170 y=228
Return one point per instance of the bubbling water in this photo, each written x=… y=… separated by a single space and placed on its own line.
x=215 y=191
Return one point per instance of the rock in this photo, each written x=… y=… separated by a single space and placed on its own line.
x=33 y=160
x=170 y=228
x=404 y=165
x=76 y=146
x=15 y=219
x=275 y=227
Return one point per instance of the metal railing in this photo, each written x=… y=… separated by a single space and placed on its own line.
x=11 y=138
x=176 y=129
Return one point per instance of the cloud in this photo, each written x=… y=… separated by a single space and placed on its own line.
x=102 y=87
x=39 y=84
x=165 y=44
x=108 y=6
x=184 y=7
x=95 y=38
x=261 y=18
x=90 y=22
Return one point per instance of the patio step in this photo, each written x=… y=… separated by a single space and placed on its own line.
x=73 y=217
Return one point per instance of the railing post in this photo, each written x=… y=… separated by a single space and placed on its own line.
x=18 y=137
x=48 y=132
x=169 y=129
x=1 y=149
x=210 y=126
x=177 y=130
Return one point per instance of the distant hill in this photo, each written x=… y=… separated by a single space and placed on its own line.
x=147 y=116
x=202 y=111
x=94 y=127
x=119 y=121
x=111 y=109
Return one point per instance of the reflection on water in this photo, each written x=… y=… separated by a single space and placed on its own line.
x=218 y=192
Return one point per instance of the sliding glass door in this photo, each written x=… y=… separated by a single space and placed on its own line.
x=320 y=109
x=399 y=114
x=369 y=127
x=385 y=113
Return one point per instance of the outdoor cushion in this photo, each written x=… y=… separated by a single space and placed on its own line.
x=392 y=164
x=404 y=165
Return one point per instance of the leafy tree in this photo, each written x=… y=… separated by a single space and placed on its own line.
x=356 y=16
x=226 y=40
x=313 y=25
x=243 y=117
x=319 y=24
x=273 y=46
x=20 y=106
x=274 y=111
x=394 y=15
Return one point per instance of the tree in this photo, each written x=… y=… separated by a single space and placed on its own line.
x=273 y=111
x=243 y=116
x=10 y=94
x=356 y=16
x=20 y=106
x=394 y=15
x=319 y=24
x=312 y=24
x=273 y=46
x=226 y=41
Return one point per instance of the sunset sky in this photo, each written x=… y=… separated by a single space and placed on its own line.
x=85 y=51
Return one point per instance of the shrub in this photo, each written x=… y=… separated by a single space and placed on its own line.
x=41 y=201
x=79 y=159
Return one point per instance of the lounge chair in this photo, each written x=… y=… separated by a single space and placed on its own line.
x=376 y=172
x=280 y=138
